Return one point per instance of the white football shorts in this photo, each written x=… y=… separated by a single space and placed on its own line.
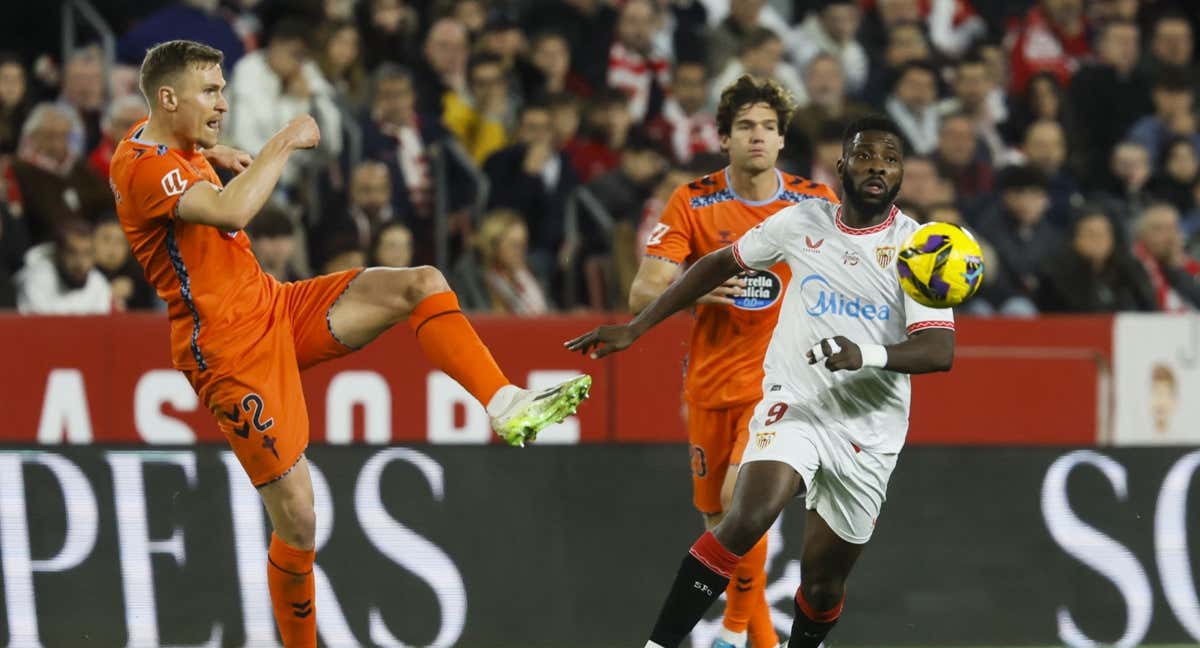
x=846 y=485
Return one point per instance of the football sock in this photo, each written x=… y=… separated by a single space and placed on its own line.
x=746 y=600
x=451 y=344
x=811 y=626
x=703 y=575
x=290 y=579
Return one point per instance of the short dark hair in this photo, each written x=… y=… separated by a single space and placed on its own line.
x=748 y=92
x=72 y=227
x=911 y=66
x=1021 y=176
x=971 y=58
x=166 y=60
x=881 y=123
x=1172 y=79
x=272 y=221
x=757 y=37
x=483 y=58
x=290 y=28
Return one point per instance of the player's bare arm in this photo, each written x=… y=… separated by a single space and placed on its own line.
x=228 y=157
x=654 y=276
x=926 y=351
x=232 y=208
x=706 y=274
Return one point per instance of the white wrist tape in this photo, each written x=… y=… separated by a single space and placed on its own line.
x=873 y=355
x=819 y=354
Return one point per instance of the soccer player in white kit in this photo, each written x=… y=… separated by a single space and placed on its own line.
x=830 y=426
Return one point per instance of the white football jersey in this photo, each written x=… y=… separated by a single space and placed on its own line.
x=843 y=283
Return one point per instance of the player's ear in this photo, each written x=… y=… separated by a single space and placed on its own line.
x=841 y=164
x=167 y=98
x=725 y=143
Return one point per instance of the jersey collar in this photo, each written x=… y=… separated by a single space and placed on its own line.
x=754 y=203
x=863 y=231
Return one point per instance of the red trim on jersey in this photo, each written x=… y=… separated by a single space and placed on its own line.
x=874 y=229
x=737 y=256
x=928 y=324
x=820 y=617
x=714 y=555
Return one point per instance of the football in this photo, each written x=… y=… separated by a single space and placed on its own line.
x=940 y=265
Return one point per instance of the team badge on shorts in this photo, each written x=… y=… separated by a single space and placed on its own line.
x=884 y=255
x=763 y=439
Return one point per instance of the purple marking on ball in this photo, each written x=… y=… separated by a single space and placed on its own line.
x=938 y=286
x=933 y=243
x=903 y=270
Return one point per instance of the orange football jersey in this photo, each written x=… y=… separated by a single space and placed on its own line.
x=210 y=279
x=728 y=342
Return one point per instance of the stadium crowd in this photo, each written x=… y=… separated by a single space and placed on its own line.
x=527 y=146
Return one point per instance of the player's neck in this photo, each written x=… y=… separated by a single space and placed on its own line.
x=862 y=217
x=754 y=186
x=158 y=131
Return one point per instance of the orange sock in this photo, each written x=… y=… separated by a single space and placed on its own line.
x=746 y=600
x=452 y=345
x=290 y=579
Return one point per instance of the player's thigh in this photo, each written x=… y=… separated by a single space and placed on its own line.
x=310 y=304
x=289 y=504
x=380 y=298
x=710 y=443
x=763 y=489
x=259 y=407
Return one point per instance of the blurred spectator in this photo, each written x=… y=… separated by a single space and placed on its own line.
x=502 y=36
x=954 y=26
x=1179 y=170
x=826 y=88
x=588 y=27
x=1051 y=36
x=272 y=86
x=83 y=90
x=1016 y=226
x=832 y=29
x=1114 y=83
x=686 y=124
x=879 y=17
x=960 y=156
x=392 y=247
x=826 y=153
x=1043 y=99
x=127 y=281
x=14 y=101
x=727 y=38
x=1174 y=99
x=761 y=57
x=635 y=67
x=923 y=186
x=479 y=119
x=550 y=54
x=912 y=106
x=370 y=200
x=443 y=66
x=624 y=191
x=339 y=251
x=534 y=179
x=389 y=29
x=1172 y=45
x=974 y=96
x=60 y=276
x=606 y=123
x=473 y=14
x=273 y=237
x=1159 y=246
x=1125 y=196
x=1093 y=274
x=566 y=117
x=1045 y=149
x=119 y=117
x=511 y=287
x=55 y=183
x=341 y=63
x=906 y=44
x=198 y=20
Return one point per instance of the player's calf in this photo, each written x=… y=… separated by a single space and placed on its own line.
x=813 y=622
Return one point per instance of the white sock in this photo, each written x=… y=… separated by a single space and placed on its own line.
x=651 y=644
x=502 y=399
x=736 y=638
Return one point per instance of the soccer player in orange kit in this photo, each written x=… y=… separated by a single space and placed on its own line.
x=734 y=322
x=242 y=338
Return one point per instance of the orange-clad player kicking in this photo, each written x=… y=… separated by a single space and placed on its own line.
x=242 y=338
x=734 y=322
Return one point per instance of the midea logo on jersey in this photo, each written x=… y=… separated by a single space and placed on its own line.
x=763 y=289
x=820 y=299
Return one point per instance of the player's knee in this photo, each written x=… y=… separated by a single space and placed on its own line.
x=822 y=593
x=297 y=524
x=421 y=282
x=741 y=530
x=727 y=490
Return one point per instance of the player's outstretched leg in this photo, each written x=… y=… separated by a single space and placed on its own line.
x=763 y=489
x=382 y=297
x=747 y=619
x=824 y=567
x=289 y=503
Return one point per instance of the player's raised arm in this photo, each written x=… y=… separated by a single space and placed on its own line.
x=925 y=351
x=706 y=274
x=234 y=206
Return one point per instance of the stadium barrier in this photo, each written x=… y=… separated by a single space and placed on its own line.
x=1042 y=382
x=490 y=547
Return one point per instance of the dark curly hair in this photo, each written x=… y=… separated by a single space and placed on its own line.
x=748 y=92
